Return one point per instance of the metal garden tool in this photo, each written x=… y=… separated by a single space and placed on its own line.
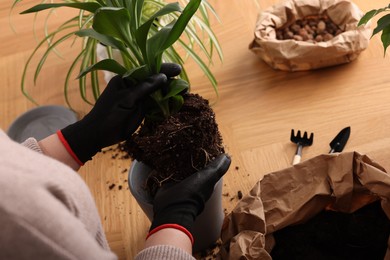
x=301 y=142
x=338 y=143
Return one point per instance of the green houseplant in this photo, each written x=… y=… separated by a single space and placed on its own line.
x=383 y=24
x=144 y=42
x=198 y=42
x=179 y=135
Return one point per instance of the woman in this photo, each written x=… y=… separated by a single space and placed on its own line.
x=46 y=209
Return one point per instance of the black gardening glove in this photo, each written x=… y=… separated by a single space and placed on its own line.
x=178 y=205
x=118 y=112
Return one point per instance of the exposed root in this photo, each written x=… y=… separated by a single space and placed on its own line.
x=207 y=157
x=161 y=182
x=178 y=130
x=192 y=163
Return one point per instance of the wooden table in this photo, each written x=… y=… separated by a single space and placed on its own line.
x=257 y=109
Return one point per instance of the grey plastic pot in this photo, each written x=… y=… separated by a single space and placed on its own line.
x=207 y=227
x=41 y=122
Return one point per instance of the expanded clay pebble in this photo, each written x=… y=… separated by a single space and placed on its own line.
x=313 y=28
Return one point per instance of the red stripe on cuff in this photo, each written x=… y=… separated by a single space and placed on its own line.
x=68 y=148
x=175 y=226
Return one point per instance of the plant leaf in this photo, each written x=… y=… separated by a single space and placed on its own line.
x=84 y=64
x=106 y=40
x=142 y=32
x=15 y=3
x=138 y=73
x=168 y=35
x=138 y=9
x=27 y=65
x=114 y=22
x=204 y=67
x=175 y=87
x=385 y=38
x=176 y=102
x=213 y=38
x=47 y=52
x=67 y=78
x=94 y=74
x=181 y=23
x=87 y=6
x=367 y=17
x=383 y=22
x=107 y=64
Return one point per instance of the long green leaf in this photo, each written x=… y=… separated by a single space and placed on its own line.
x=142 y=32
x=15 y=3
x=109 y=3
x=385 y=38
x=46 y=30
x=139 y=4
x=27 y=65
x=68 y=75
x=193 y=37
x=94 y=75
x=9 y=14
x=175 y=87
x=383 y=22
x=104 y=39
x=213 y=38
x=87 y=6
x=114 y=22
x=85 y=63
x=48 y=51
x=101 y=2
x=171 y=55
x=367 y=17
x=169 y=34
x=138 y=73
x=181 y=23
x=107 y=64
x=204 y=67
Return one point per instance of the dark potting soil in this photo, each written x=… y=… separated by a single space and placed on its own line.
x=332 y=235
x=180 y=145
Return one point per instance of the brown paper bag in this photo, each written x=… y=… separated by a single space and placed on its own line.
x=343 y=182
x=291 y=55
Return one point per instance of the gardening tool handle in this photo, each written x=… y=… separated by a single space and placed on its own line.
x=297 y=159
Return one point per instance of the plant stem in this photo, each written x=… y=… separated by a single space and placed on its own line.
x=157 y=96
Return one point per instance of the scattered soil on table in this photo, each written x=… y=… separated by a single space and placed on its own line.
x=179 y=146
x=362 y=234
x=239 y=194
x=313 y=28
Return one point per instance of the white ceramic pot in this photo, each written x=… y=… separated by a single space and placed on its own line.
x=208 y=224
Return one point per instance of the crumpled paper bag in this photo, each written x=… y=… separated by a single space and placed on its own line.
x=343 y=182
x=291 y=55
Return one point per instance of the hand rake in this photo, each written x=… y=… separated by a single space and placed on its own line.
x=301 y=141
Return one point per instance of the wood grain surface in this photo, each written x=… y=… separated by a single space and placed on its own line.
x=257 y=108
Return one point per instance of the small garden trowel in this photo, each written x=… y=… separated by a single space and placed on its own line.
x=339 y=142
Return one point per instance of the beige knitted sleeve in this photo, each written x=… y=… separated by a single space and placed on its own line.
x=46 y=209
x=32 y=144
x=164 y=252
